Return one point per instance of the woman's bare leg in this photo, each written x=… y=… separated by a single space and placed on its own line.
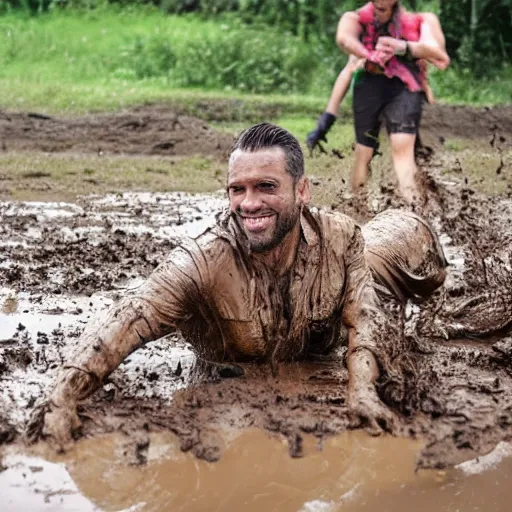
x=402 y=153
x=361 y=169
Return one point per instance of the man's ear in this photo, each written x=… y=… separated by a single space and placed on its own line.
x=303 y=192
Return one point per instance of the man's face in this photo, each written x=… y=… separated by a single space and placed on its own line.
x=263 y=196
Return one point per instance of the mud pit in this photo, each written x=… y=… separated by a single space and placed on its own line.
x=62 y=262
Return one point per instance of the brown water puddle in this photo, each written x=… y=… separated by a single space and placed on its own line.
x=353 y=472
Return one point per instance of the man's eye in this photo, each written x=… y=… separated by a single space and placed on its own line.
x=236 y=190
x=267 y=186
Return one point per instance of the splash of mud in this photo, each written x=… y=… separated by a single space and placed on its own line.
x=460 y=397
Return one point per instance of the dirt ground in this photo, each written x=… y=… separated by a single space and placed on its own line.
x=158 y=130
x=459 y=398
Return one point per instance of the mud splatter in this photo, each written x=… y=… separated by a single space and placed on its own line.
x=56 y=257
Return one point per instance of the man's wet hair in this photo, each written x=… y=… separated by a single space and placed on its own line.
x=266 y=136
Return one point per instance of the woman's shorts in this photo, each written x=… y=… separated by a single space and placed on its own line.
x=378 y=98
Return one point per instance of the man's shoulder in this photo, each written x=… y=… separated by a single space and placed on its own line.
x=335 y=223
x=205 y=248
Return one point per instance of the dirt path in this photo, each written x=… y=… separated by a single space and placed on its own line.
x=56 y=256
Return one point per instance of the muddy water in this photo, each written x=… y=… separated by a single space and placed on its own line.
x=60 y=263
x=352 y=472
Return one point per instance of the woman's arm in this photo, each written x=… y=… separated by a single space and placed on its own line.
x=348 y=35
x=427 y=47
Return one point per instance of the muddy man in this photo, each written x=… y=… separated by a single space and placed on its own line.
x=273 y=281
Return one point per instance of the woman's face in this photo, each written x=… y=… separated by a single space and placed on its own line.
x=384 y=9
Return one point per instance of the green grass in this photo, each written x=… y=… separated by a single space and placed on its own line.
x=111 y=58
x=26 y=176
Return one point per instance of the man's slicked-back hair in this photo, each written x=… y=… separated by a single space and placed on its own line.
x=266 y=136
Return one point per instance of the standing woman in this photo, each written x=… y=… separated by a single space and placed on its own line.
x=392 y=85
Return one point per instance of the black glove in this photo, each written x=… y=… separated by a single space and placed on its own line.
x=325 y=121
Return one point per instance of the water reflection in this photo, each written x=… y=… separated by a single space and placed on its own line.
x=353 y=472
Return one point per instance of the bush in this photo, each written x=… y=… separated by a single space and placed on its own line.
x=146 y=57
x=235 y=57
x=478 y=34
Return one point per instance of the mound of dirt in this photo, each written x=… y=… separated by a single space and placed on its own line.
x=458 y=398
x=163 y=130
x=440 y=122
x=144 y=131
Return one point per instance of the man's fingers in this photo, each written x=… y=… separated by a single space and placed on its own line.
x=368 y=422
x=387 y=420
x=373 y=428
x=58 y=428
x=354 y=421
x=374 y=418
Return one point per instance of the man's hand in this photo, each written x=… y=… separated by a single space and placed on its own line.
x=325 y=121
x=367 y=410
x=59 y=424
x=390 y=46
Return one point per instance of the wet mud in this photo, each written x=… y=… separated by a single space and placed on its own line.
x=62 y=262
x=167 y=130
x=151 y=130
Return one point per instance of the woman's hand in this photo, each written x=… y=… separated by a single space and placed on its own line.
x=391 y=46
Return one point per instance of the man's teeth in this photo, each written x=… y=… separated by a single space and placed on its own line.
x=257 y=222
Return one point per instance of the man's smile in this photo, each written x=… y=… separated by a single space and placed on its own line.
x=255 y=224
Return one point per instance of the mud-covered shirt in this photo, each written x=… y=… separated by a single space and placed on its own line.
x=230 y=306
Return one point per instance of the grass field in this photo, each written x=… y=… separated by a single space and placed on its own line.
x=110 y=58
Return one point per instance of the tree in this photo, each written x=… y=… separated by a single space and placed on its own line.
x=478 y=32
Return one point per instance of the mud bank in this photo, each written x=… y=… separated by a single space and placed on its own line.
x=61 y=263
x=163 y=130
x=144 y=131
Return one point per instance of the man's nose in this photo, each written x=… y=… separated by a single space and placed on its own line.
x=251 y=201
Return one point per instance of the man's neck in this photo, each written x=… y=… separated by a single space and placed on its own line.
x=282 y=257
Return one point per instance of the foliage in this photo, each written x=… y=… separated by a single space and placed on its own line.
x=478 y=33
x=179 y=51
x=116 y=53
x=233 y=57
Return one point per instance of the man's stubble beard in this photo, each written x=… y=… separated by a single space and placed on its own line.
x=285 y=222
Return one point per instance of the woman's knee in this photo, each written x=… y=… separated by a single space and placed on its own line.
x=402 y=145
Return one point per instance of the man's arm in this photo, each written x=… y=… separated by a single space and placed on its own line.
x=156 y=308
x=348 y=35
x=342 y=84
x=365 y=322
x=328 y=117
